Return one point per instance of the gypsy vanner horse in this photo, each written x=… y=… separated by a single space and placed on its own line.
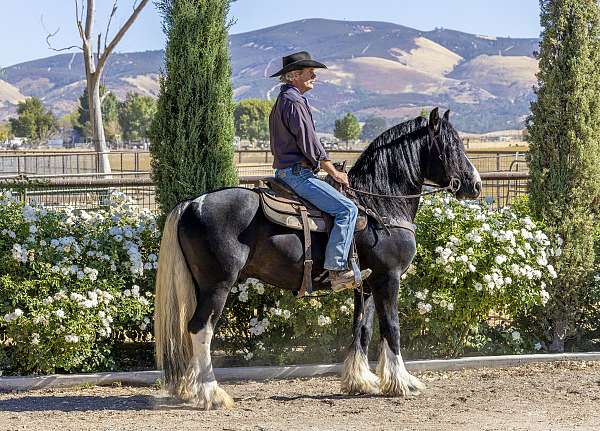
x=219 y=238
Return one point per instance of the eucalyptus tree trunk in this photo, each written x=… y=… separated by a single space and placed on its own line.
x=94 y=66
x=100 y=145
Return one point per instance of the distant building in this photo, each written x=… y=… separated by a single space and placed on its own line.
x=13 y=143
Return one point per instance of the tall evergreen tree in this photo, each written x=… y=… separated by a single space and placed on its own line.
x=192 y=134
x=564 y=143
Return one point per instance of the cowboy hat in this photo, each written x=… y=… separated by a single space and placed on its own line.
x=298 y=61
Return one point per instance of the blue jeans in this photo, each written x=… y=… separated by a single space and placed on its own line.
x=308 y=186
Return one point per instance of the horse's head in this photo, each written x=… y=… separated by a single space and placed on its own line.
x=447 y=163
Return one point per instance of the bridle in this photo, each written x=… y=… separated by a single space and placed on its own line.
x=453 y=187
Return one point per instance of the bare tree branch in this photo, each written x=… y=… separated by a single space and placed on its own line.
x=112 y=14
x=51 y=35
x=78 y=17
x=89 y=18
x=113 y=43
x=98 y=48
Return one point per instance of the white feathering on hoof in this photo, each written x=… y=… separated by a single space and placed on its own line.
x=357 y=377
x=394 y=380
x=199 y=384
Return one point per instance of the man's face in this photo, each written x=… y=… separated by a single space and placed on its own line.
x=305 y=79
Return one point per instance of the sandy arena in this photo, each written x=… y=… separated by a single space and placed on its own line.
x=549 y=396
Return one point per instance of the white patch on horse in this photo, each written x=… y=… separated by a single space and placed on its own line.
x=200 y=201
x=357 y=377
x=394 y=379
x=476 y=176
x=200 y=378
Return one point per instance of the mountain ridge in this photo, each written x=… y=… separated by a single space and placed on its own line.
x=375 y=68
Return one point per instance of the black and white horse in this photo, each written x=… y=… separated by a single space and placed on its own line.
x=211 y=242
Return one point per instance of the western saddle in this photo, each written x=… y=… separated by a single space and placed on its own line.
x=283 y=206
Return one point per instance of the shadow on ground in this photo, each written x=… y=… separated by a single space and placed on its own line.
x=82 y=403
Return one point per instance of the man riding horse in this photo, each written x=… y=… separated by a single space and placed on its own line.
x=299 y=155
x=213 y=241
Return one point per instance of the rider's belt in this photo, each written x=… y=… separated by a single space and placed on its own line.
x=305 y=164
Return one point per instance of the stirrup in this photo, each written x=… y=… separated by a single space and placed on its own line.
x=349 y=280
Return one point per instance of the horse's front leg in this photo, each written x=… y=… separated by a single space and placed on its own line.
x=395 y=380
x=357 y=377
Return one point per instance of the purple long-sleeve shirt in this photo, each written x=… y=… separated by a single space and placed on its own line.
x=292 y=130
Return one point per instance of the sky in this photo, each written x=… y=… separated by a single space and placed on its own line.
x=24 y=24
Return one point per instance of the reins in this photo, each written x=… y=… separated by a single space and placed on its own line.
x=453 y=187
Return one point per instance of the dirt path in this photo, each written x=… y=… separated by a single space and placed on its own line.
x=551 y=396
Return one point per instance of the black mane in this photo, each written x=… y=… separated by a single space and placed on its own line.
x=391 y=165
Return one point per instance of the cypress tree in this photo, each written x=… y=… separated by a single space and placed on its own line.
x=564 y=151
x=192 y=133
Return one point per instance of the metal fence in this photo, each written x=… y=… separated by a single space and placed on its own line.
x=69 y=162
x=250 y=162
x=89 y=192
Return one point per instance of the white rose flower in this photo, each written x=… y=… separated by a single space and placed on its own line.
x=323 y=320
x=260 y=288
x=315 y=303
x=423 y=308
x=545 y=296
x=516 y=335
x=35 y=338
x=71 y=338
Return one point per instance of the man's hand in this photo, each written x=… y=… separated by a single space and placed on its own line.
x=340 y=177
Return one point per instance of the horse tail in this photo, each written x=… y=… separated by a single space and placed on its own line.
x=175 y=303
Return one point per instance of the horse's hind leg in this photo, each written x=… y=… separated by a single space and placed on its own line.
x=199 y=381
x=357 y=377
x=395 y=380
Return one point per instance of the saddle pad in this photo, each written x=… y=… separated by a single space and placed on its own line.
x=285 y=212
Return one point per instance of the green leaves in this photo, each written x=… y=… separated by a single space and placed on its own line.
x=347 y=128
x=34 y=122
x=192 y=134
x=136 y=114
x=251 y=118
x=564 y=149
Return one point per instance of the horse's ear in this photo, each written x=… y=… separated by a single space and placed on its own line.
x=447 y=115
x=434 y=120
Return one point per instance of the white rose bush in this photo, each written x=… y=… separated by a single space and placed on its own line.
x=472 y=263
x=76 y=287
x=72 y=283
x=270 y=326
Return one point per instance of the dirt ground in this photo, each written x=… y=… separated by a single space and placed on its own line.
x=551 y=396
